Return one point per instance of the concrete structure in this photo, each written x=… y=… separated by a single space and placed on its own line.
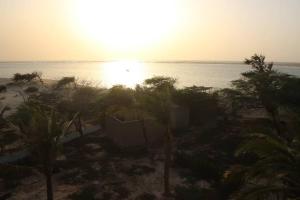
x=135 y=132
x=147 y=132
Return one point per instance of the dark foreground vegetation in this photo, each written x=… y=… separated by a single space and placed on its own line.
x=241 y=143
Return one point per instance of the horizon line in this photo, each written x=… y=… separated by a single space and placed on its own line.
x=149 y=61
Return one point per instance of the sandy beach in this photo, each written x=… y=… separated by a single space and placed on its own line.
x=15 y=93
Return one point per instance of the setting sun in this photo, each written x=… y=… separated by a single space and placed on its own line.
x=126 y=25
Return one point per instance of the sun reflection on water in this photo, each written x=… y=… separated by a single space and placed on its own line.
x=128 y=73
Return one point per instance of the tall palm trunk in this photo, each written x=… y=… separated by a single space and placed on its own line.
x=78 y=125
x=48 y=170
x=276 y=122
x=144 y=133
x=49 y=184
x=2 y=148
x=167 y=162
x=273 y=111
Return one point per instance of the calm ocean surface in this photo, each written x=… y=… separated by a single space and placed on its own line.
x=131 y=73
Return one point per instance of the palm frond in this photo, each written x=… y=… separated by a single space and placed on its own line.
x=257 y=192
x=264 y=146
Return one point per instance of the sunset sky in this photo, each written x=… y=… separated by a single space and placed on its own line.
x=149 y=29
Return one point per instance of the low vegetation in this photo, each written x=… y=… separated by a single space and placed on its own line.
x=27 y=77
x=2 y=88
x=227 y=151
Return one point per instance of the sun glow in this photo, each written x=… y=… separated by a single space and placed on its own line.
x=126 y=25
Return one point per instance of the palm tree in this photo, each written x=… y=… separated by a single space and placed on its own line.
x=264 y=84
x=41 y=129
x=276 y=171
x=156 y=98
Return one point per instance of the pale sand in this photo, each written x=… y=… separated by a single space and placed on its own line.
x=15 y=95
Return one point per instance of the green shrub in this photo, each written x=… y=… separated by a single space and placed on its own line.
x=202 y=103
x=6 y=138
x=26 y=77
x=233 y=180
x=13 y=174
x=31 y=89
x=123 y=192
x=146 y=196
x=193 y=193
x=3 y=88
x=64 y=82
x=87 y=193
x=200 y=166
x=137 y=170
